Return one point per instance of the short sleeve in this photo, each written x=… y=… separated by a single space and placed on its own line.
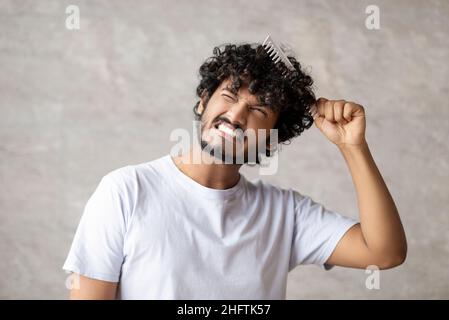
x=97 y=248
x=316 y=233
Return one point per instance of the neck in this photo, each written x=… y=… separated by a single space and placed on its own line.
x=213 y=175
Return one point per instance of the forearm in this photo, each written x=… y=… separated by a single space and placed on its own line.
x=379 y=219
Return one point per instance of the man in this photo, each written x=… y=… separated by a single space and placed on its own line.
x=176 y=229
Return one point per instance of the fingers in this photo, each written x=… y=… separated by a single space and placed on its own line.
x=339 y=111
x=348 y=110
x=315 y=109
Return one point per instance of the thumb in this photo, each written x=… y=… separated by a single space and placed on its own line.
x=318 y=121
x=315 y=115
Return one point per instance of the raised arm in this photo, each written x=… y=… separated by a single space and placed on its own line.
x=379 y=239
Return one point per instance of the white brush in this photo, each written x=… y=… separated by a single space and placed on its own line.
x=277 y=54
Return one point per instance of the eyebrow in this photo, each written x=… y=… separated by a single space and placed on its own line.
x=236 y=94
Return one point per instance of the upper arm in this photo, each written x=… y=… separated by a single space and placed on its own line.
x=97 y=249
x=352 y=251
x=92 y=289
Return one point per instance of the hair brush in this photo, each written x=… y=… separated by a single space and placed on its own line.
x=278 y=55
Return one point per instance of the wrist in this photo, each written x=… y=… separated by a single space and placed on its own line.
x=346 y=148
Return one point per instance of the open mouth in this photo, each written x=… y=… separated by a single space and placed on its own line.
x=228 y=131
x=226 y=128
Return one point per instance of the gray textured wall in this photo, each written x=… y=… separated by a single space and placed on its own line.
x=76 y=104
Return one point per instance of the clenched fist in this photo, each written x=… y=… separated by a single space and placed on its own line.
x=342 y=122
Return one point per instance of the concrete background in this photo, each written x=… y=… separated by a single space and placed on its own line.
x=75 y=105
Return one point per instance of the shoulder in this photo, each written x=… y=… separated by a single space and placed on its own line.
x=121 y=189
x=128 y=175
x=131 y=178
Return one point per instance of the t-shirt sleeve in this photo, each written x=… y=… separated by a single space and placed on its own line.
x=97 y=248
x=316 y=233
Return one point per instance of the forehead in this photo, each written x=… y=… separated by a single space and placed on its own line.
x=242 y=91
x=244 y=94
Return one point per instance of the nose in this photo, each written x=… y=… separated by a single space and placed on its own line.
x=237 y=114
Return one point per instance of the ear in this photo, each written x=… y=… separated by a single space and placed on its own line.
x=200 y=108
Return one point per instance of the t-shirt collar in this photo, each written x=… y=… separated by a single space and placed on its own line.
x=196 y=187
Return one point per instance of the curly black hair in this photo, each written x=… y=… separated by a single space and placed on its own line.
x=292 y=95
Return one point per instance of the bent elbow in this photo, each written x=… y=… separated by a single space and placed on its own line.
x=394 y=261
x=395 y=257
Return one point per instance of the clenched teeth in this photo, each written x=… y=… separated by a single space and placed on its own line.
x=227 y=130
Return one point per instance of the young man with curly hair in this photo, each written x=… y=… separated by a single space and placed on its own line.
x=174 y=229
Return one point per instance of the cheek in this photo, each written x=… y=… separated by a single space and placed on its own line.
x=262 y=132
x=210 y=114
x=259 y=123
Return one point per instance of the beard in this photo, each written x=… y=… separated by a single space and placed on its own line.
x=222 y=153
x=227 y=152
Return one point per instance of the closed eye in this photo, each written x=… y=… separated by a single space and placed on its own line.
x=228 y=97
x=233 y=99
x=260 y=110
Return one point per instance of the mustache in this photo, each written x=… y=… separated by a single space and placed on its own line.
x=224 y=119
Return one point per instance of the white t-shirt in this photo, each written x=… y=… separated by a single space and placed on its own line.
x=162 y=235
